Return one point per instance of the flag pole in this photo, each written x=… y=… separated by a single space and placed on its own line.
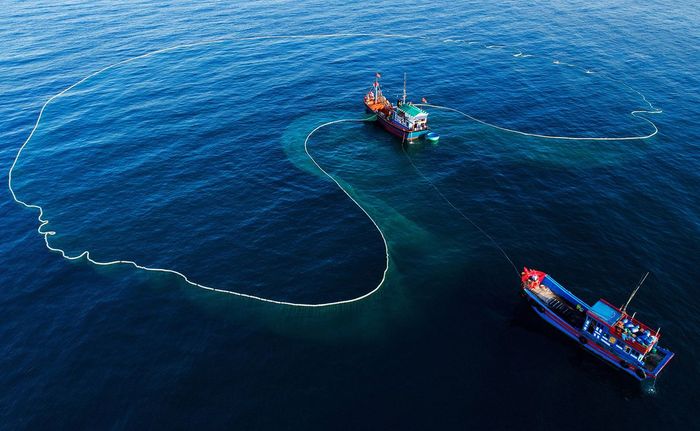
x=404 y=89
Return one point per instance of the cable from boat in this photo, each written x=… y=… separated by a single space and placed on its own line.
x=461 y=213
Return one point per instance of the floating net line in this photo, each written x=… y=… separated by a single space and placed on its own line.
x=86 y=254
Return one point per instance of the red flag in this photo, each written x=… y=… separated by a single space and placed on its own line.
x=375 y=83
x=379 y=75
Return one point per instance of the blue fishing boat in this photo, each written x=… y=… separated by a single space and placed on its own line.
x=603 y=329
x=405 y=120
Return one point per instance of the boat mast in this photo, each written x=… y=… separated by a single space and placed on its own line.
x=376 y=87
x=404 y=89
x=624 y=307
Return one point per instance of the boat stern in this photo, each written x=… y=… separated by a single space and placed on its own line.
x=656 y=360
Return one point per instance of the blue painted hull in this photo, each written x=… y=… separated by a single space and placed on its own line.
x=575 y=333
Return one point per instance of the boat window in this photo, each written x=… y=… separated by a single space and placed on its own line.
x=627 y=349
x=591 y=326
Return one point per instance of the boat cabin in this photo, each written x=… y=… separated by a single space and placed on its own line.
x=609 y=326
x=411 y=117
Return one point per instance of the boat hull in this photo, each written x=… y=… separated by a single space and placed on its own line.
x=398 y=131
x=574 y=334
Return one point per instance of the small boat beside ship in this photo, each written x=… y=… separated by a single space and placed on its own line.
x=432 y=137
x=404 y=120
x=603 y=329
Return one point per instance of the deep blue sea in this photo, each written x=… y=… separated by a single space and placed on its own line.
x=186 y=152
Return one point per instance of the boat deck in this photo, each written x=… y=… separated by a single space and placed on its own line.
x=559 y=306
x=654 y=358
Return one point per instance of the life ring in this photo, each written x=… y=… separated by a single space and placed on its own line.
x=582 y=339
x=640 y=373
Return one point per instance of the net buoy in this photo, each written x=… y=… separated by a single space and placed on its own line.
x=432 y=137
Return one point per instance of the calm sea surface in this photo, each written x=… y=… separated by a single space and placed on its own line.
x=192 y=159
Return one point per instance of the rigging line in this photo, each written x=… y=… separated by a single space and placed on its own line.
x=460 y=212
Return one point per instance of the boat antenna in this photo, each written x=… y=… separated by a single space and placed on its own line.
x=624 y=307
x=404 y=88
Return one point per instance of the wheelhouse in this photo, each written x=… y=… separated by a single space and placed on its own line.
x=411 y=117
x=627 y=338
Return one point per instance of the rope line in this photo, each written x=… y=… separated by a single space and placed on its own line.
x=460 y=212
x=638 y=113
x=634 y=113
x=86 y=253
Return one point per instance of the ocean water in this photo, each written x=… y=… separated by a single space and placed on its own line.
x=188 y=148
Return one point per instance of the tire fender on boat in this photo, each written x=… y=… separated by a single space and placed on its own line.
x=539 y=308
x=640 y=373
x=582 y=339
x=624 y=364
